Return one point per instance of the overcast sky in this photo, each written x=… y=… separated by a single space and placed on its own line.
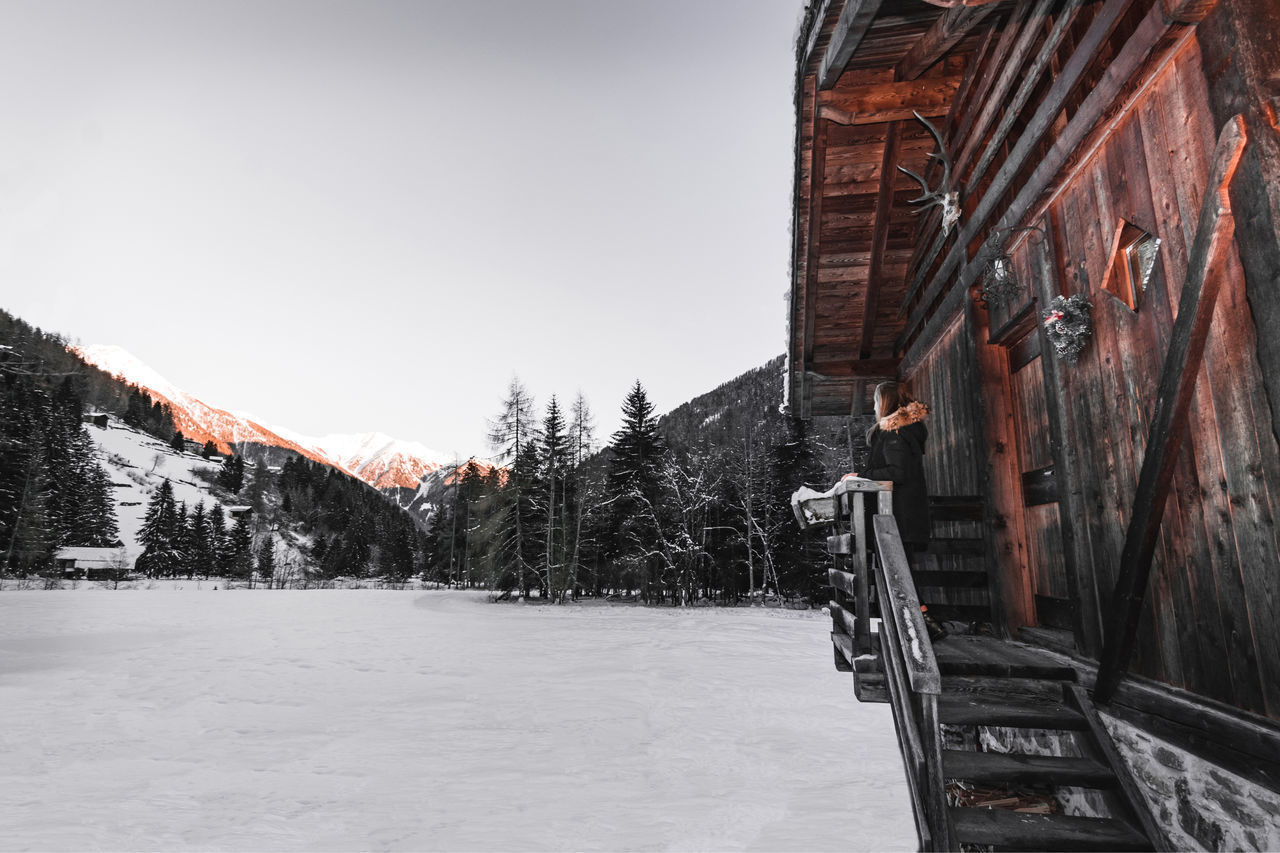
x=358 y=216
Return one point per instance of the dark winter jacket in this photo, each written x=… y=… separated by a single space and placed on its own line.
x=897 y=454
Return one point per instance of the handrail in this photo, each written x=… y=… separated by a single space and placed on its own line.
x=911 y=675
x=900 y=607
x=914 y=683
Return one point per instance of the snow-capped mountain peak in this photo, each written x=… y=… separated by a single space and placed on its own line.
x=376 y=458
x=118 y=361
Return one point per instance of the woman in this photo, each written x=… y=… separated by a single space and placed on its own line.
x=897 y=453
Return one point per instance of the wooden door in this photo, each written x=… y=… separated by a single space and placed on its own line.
x=1046 y=566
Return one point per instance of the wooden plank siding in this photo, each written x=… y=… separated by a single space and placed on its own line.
x=954 y=460
x=1210 y=623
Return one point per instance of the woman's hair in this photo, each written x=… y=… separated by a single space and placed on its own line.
x=892 y=396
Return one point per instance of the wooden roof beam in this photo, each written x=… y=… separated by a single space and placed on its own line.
x=880 y=235
x=813 y=226
x=951 y=26
x=850 y=368
x=855 y=20
x=881 y=102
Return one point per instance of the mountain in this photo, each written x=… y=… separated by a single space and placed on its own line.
x=377 y=459
x=746 y=409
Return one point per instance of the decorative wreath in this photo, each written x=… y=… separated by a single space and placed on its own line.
x=1068 y=325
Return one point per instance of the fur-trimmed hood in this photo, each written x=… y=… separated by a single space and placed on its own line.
x=913 y=412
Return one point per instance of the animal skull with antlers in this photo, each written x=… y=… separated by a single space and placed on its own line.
x=948 y=200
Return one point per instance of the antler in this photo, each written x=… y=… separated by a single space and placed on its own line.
x=948 y=200
x=930 y=197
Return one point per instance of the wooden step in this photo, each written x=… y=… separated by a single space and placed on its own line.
x=950 y=579
x=957 y=612
x=959 y=654
x=1040 y=770
x=968 y=709
x=956 y=508
x=956 y=545
x=1018 y=831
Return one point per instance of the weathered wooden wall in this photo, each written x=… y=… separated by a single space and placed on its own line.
x=952 y=463
x=1210 y=623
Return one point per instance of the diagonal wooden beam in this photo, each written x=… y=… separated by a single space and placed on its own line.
x=990 y=72
x=855 y=20
x=951 y=26
x=1029 y=81
x=1131 y=55
x=1173 y=399
x=996 y=92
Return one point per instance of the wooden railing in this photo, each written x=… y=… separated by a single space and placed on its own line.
x=901 y=646
x=913 y=682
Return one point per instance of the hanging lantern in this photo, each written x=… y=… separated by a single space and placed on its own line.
x=999 y=282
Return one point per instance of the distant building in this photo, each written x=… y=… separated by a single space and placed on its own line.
x=98 y=419
x=237 y=511
x=93 y=563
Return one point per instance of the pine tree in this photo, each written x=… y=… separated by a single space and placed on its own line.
x=231 y=477
x=581 y=496
x=506 y=541
x=209 y=449
x=240 y=549
x=267 y=559
x=396 y=555
x=794 y=462
x=137 y=410
x=554 y=456
x=218 y=546
x=637 y=448
x=100 y=511
x=178 y=442
x=203 y=558
x=159 y=535
x=31 y=537
x=633 y=487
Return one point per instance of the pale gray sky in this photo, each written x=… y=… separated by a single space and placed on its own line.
x=356 y=216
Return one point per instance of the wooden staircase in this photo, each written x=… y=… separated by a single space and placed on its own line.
x=945 y=695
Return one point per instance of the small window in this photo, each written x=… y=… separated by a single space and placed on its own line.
x=1133 y=257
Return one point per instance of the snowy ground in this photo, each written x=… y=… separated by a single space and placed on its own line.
x=379 y=720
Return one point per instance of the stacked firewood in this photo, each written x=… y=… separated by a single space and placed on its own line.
x=967 y=795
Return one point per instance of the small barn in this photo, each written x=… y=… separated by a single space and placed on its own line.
x=94 y=563
x=1058 y=222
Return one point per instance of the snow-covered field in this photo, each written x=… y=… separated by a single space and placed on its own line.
x=181 y=719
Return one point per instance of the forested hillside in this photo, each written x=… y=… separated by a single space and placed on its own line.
x=63 y=484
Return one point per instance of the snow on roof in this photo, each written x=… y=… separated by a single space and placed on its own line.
x=88 y=556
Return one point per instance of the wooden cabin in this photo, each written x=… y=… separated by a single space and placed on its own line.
x=94 y=563
x=1111 y=473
